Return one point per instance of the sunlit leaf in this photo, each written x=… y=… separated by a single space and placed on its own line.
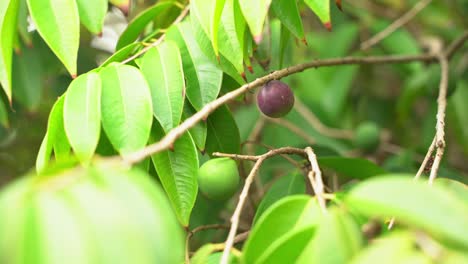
x=8 y=16
x=322 y=9
x=126 y=108
x=288 y=13
x=255 y=13
x=58 y=24
x=208 y=12
x=121 y=54
x=231 y=35
x=92 y=14
x=123 y=5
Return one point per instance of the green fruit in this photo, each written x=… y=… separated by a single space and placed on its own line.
x=218 y=178
x=367 y=136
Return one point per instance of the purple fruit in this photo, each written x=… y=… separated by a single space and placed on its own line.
x=275 y=99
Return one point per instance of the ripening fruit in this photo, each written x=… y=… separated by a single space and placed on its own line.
x=367 y=136
x=275 y=99
x=218 y=178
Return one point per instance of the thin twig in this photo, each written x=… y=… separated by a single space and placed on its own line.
x=168 y=141
x=395 y=25
x=315 y=177
x=285 y=156
x=159 y=40
x=428 y=156
x=315 y=122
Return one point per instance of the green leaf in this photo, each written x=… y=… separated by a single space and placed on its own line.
x=121 y=54
x=231 y=35
x=322 y=9
x=431 y=208
x=55 y=138
x=199 y=131
x=23 y=14
x=290 y=184
x=278 y=224
x=27 y=77
x=162 y=68
x=3 y=114
x=125 y=107
x=202 y=254
x=92 y=14
x=82 y=115
x=288 y=13
x=255 y=13
x=354 y=168
x=8 y=17
x=337 y=239
x=458 y=113
x=223 y=134
x=202 y=76
x=208 y=13
x=123 y=5
x=178 y=171
x=58 y=24
x=455 y=187
x=139 y=23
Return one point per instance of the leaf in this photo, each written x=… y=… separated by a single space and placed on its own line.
x=288 y=13
x=278 y=223
x=458 y=112
x=223 y=134
x=203 y=77
x=431 y=208
x=8 y=16
x=126 y=108
x=58 y=23
x=202 y=254
x=208 y=13
x=255 y=13
x=27 y=77
x=3 y=114
x=139 y=23
x=92 y=14
x=121 y=54
x=162 y=68
x=337 y=239
x=290 y=184
x=123 y=5
x=231 y=35
x=199 y=130
x=322 y=9
x=455 y=187
x=54 y=139
x=22 y=20
x=82 y=115
x=178 y=171
x=354 y=168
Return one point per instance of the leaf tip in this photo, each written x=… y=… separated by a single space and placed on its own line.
x=74 y=75
x=258 y=39
x=338 y=4
x=328 y=25
x=99 y=34
x=304 y=40
x=250 y=68
x=243 y=76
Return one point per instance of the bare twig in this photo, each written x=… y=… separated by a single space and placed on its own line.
x=315 y=178
x=168 y=141
x=426 y=159
x=315 y=122
x=285 y=156
x=159 y=40
x=395 y=25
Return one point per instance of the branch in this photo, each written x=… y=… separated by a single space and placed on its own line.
x=395 y=25
x=315 y=178
x=166 y=142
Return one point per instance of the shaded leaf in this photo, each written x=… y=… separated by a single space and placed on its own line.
x=223 y=134
x=255 y=13
x=354 y=168
x=126 y=108
x=203 y=77
x=8 y=17
x=162 y=68
x=3 y=114
x=58 y=24
x=199 y=130
x=288 y=13
x=322 y=9
x=92 y=14
x=178 y=171
x=82 y=115
x=27 y=77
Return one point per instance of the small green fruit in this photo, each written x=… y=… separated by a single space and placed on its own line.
x=218 y=178
x=367 y=136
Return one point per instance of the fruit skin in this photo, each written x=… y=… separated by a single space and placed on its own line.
x=367 y=136
x=275 y=99
x=218 y=178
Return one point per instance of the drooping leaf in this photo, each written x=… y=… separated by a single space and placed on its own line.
x=288 y=14
x=178 y=171
x=8 y=16
x=121 y=54
x=82 y=115
x=58 y=24
x=354 y=168
x=288 y=185
x=279 y=223
x=223 y=134
x=199 y=131
x=162 y=68
x=202 y=76
x=255 y=13
x=322 y=9
x=431 y=208
x=208 y=13
x=231 y=35
x=55 y=138
x=337 y=239
x=126 y=108
x=138 y=24
x=92 y=14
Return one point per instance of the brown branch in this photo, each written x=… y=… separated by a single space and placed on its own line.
x=395 y=25
x=168 y=141
x=426 y=159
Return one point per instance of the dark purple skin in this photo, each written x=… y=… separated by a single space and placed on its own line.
x=275 y=99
